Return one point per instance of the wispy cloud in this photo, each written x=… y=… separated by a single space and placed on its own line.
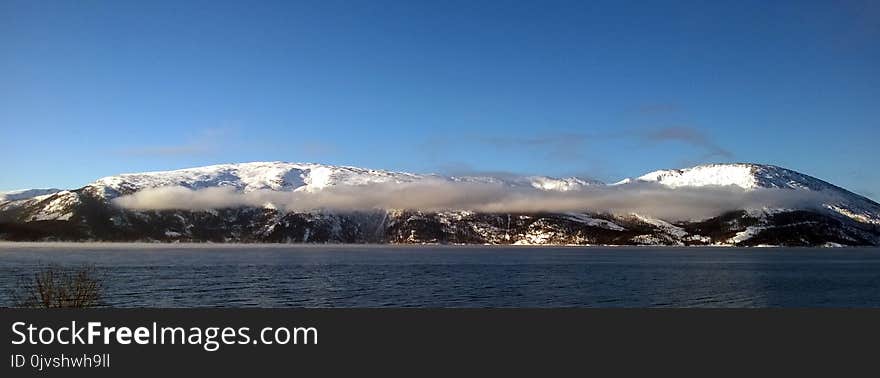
x=205 y=142
x=657 y=109
x=168 y=151
x=317 y=148
x=564 y=145
x=568 y=145
x=687 y=135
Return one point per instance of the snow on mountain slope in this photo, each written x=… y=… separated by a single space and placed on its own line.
x=755 y=176
x=562 y=185
x=88 y=214
x=590 y=221
x=283 y=176
x=16 y=195
x=248 y=177
x=55 y=205
x=741 y=175
x=537 y=182
x=746 y=176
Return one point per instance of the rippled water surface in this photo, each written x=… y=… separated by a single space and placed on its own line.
x=138 y=275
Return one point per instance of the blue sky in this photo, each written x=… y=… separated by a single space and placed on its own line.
x=597 y=89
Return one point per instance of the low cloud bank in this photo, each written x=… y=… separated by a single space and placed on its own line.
x=439 y=195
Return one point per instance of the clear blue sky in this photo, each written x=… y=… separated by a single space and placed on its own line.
x=599 y=89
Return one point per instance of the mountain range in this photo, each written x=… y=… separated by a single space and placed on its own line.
x=823 y=215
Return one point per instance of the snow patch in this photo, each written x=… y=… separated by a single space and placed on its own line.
x=57 y=206
x=593 y=222
x=716 y=174
x=663 y=225
x=746 y=234
x=22 y=194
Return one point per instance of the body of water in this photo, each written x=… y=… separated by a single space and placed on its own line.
x=141 y=275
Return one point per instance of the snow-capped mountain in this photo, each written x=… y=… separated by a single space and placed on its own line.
x=746 y=176
x=15 y=195
x=283 y=176
x=248 y=177
x=756 y=176
x=89 y=213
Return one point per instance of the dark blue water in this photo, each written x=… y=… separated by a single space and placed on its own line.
x=430 y=276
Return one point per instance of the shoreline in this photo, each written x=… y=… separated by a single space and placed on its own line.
x=210 y=245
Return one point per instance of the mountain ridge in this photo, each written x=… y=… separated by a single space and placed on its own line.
x=88 y=213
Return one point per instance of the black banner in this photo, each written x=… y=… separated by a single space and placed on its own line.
x=110 y=342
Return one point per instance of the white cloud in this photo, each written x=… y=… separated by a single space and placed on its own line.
x=437 y=195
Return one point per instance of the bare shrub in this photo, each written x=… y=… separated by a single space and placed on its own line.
x=58 y=287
